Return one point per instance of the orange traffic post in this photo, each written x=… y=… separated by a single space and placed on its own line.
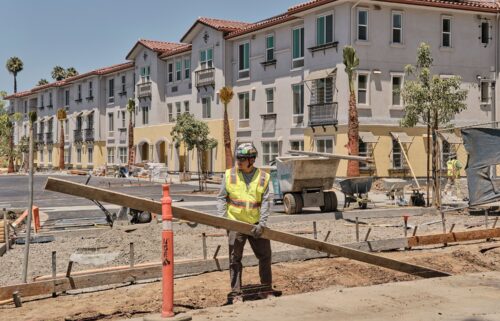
x=167 y=236
x=36 y=218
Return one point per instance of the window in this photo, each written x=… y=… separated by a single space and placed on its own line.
x=298 y=103
x=78 y=155
x=446 y=32
x=145 y=74
x=187 y=68
x=124 y=86
x=270 y=47
x=324 y=90
x=111 y=155
x=178 y=110
x=66 y=98
x=90 y=154
x=79 y=123
x=66 y=127
x=298 y=47
x=178 y=70
x=79 y=92
x=324 y=29
x=270 y=151
x=170 y=113
x=397 y=82
x=363 y=89
x=111 y=125
x=25 y=107
x=297 y=145
x=206 y=58
x=244 y=109
x=324 y=145
x=244 y=60
x=123 y=119
x=362 y=24
x=122 y=154
x=397 y=27
x=91 y=93
x=145 y=115
x=170 y=72
x=41 y=156
x=270 y=100
x=50 y=155
x=206 y=112
x=41 y=101
x=186 y=106
x=364 y=151
x=485 y=32
x=50 y=99
x=485 y=92
x=67 y=155
x=111 y=90
x=397 y=155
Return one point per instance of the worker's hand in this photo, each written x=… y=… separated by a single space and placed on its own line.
x=257 y=231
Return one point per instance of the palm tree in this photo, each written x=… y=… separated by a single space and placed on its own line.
x=226 y=94
x=42 y=82
x=61 y=116
x=14 y=66
x=58 y=73
x=351 y=62
x=70 y=72
x=131 y=110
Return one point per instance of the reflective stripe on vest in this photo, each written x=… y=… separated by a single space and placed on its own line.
x=244 y=201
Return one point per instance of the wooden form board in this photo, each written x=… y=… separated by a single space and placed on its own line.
x=143 y=204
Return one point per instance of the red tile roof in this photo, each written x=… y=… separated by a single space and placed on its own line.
x=224 y=25
x=262 y=24
x=159 y=46
x=178 y=50
x=67 y=81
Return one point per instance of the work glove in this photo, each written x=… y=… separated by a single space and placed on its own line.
x=257 y=230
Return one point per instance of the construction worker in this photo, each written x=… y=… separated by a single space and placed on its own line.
x=244 y=196
x=453 y=167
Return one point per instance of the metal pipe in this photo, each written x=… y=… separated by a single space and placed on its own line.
x=30 y=202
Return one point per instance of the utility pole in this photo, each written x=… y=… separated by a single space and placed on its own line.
x=32 y=116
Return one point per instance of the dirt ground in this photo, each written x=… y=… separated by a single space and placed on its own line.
x=113 y=245
x=208 y=290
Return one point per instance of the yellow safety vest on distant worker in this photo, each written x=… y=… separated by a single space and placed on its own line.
x=243 y=204
x=453 y=167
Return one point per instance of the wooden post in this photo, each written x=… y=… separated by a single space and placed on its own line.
x=132 y=255
x=415 y=230
x=17 y=299
x=54 y=269
x=452 y=227
x=486 y=218
x=327 y=236
x=204 y=244
x=368 y=234
x=6 y=230
x=444 y=224
x=68 y=270
x=216 y=252
x=315 y=232
x=357 y=229
x=495 y=223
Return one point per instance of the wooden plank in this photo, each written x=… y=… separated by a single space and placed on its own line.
x=379 y=245
x=103 y=195
x=86 y=279
x=453 y=237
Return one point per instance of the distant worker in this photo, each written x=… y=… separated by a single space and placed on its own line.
x=244 y=196
x=453 y=167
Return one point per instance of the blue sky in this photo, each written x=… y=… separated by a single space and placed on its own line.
x=90 y=34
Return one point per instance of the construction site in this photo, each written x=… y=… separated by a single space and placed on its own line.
x=354 y=242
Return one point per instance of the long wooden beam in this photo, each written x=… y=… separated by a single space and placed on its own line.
x=453 y=237
x=102 y=195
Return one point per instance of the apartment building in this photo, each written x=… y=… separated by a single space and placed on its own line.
x=291 y=89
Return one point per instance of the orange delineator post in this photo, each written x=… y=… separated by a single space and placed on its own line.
x=167 y=236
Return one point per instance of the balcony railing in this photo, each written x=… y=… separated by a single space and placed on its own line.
x=39 y=138
x=323 y=114
x=49 y=138
x=78 y=137
x=144 y=90
x=205 y=77
x=89 y=134
x=122 y=135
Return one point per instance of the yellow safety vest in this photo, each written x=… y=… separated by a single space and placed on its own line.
x=243 y=203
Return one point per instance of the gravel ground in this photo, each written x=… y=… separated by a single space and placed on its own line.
x=113 y=244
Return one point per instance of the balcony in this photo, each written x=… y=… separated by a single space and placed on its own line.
x=89 y=134
x=205 y=77
x=122 y=135
x=49 y=138
x=77 y=135
x=39 y=138
x=144 y=90
x=323 y=114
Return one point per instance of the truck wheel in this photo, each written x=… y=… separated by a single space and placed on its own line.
x=330 y=202
x=333 y=198
x=290 y=203
x=299 y=201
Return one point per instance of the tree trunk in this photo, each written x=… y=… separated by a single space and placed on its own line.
x=436 y=199
x=61 y=147
x=15 y=83
x=199 y=169
x=227 y=140
x=353 y=137
x=130 y=143
x=10 y=168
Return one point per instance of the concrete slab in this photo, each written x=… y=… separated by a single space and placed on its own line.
x=462 y=297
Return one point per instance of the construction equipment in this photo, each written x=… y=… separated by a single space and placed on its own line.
x=356 y=190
